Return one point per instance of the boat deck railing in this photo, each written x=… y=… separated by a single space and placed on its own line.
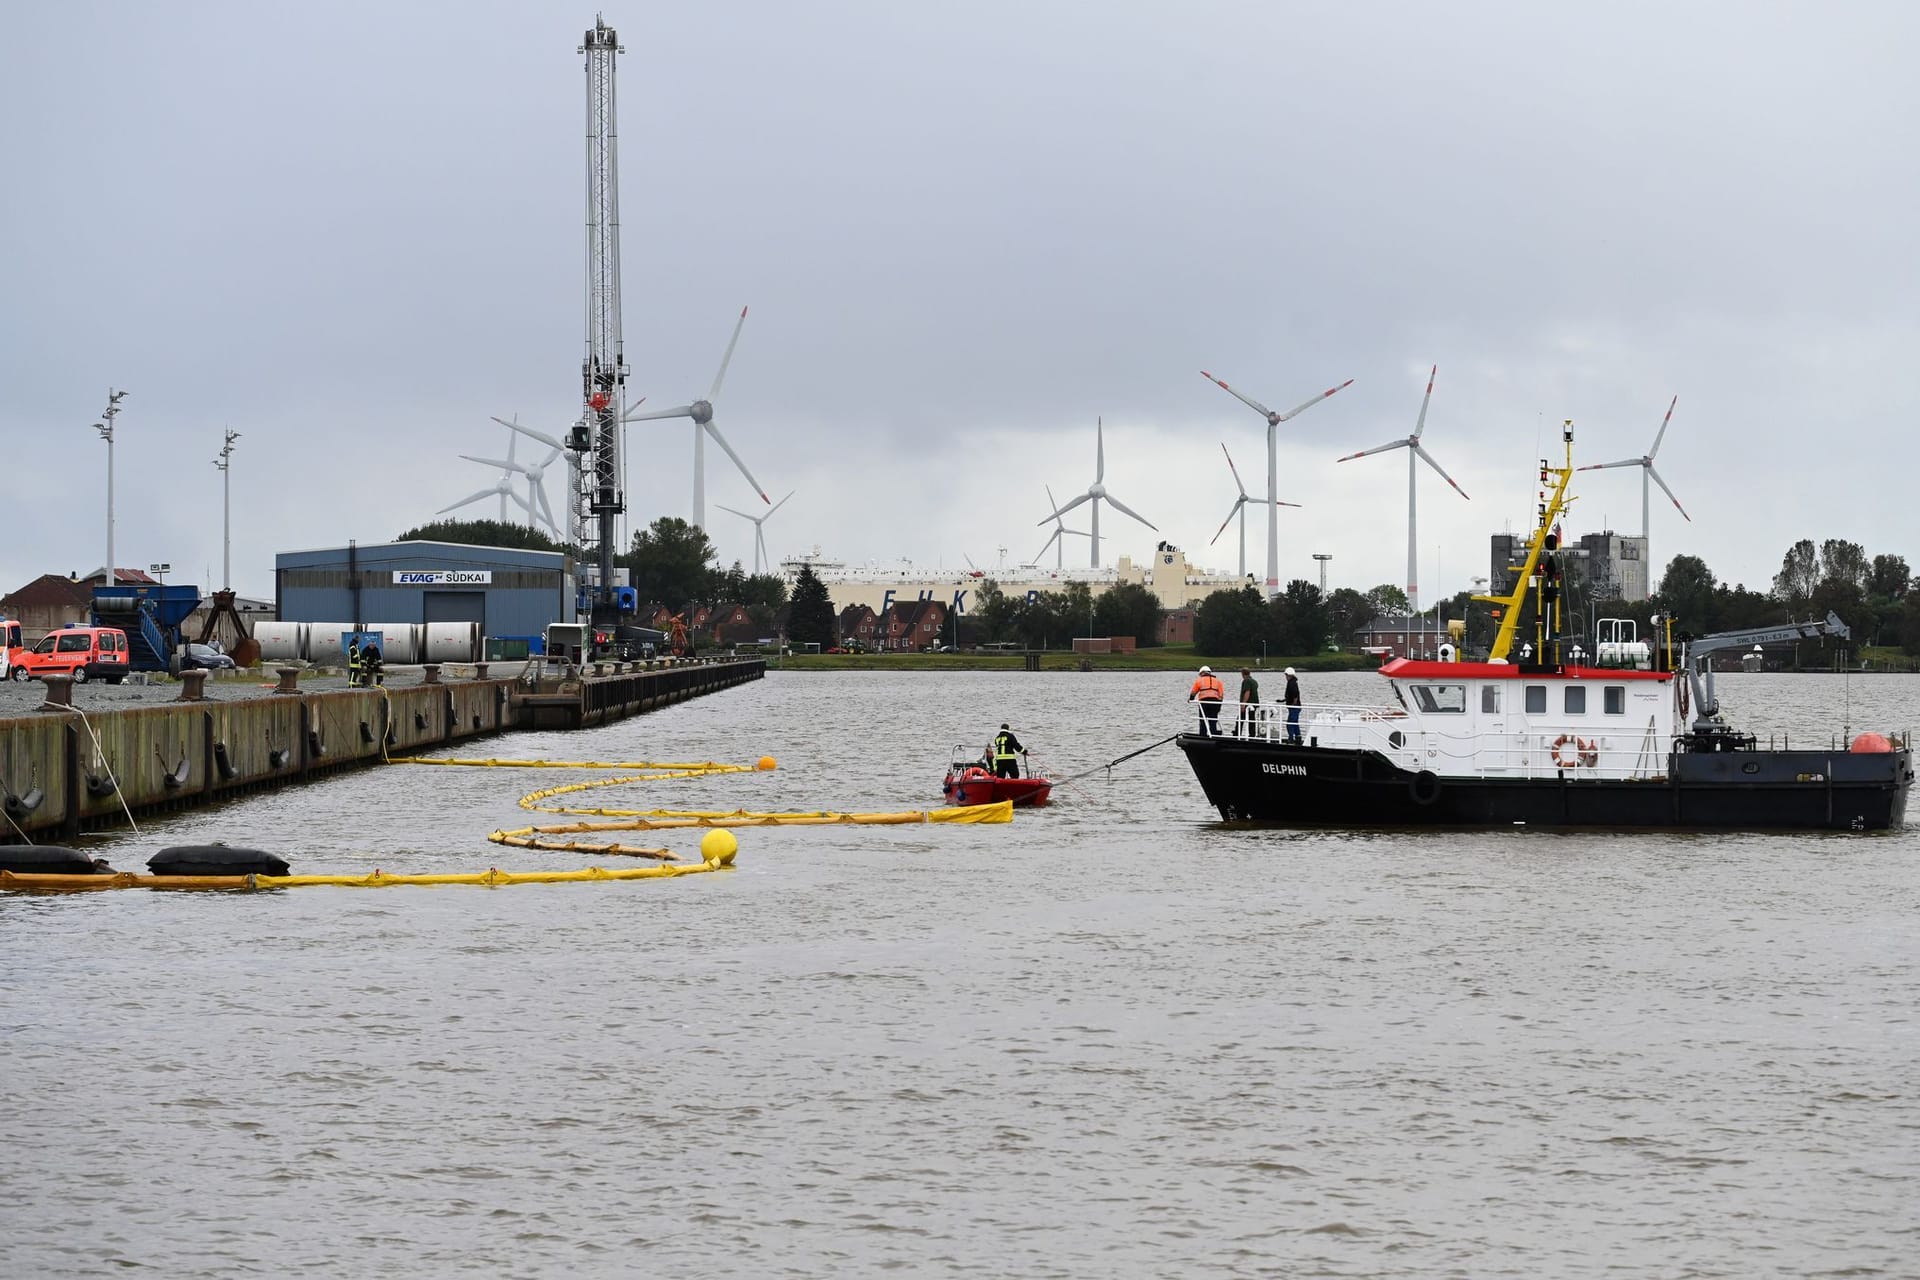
x=1614 y=751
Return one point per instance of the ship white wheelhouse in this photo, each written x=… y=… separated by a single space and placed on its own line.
x=1491 y=719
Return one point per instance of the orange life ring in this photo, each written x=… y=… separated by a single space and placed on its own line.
x=1563 y=757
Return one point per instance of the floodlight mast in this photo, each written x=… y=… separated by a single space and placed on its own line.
x=603 y=373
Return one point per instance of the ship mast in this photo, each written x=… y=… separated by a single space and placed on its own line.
x=1553 y=504
x=599 y=496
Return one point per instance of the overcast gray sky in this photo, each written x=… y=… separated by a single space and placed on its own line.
x=352 y=232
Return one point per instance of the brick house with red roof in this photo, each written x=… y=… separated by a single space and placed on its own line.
x=858 y=623
x=911 y=626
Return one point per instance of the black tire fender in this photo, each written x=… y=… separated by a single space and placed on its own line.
x=1424 y=787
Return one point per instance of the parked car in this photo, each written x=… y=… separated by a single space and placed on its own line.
x=204 y=657
x=85 y=653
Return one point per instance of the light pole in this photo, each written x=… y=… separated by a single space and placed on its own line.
x=1323 y=557
x=105 y=428
x=224 y=461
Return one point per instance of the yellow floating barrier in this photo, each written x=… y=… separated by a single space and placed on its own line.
x=493 y=877
x=672 y=820
x=536 y=837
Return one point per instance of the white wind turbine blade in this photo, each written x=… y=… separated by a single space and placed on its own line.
x=1442 y=470
x=1663 y=488
x=683 y=411
x=1122 y=507
x=1232 y=511
x=1624 y=462
x=1063 y=510
x=760 y=553
x=628 y=415
x=1297 y=409
x=1421 y=424
x=783 y=502
x=1249 y=401
x=488 y=492
x=1051 y=539
x=727 y=359
x=713 y=429
x=546 y=511
x=505 y=464
x=1663 y=435
x=531 y=434
x=743 y=515
x=1287 y=504
x=1099 y=450
x=1238 y=482
x=1391 y=444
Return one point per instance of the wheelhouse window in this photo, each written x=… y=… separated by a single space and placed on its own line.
x=1613 y=699
x=1536 y=699
x=1490 y=699
x=1440 y=698
x=1576 y=700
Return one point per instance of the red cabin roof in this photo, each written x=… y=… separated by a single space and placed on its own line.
x=1412 y=669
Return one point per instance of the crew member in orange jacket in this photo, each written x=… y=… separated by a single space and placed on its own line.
x=1209 y=692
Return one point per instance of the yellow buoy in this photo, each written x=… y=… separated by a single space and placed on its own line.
x=719 y=846
x=766 y=765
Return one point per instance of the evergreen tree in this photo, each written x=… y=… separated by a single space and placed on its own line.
x=670 y=563
x=481 y=533
x=1230 y=623
x=1129 y=609
x=811 y=620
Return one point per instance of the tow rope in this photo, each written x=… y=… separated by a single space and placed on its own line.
x=1118 y=759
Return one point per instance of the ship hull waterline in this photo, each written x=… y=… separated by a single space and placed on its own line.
x=1284 y=784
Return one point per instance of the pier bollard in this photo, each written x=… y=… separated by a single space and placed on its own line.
x=289 y=680
x=193 y=686
x=479 y=671
x=430 y=674
x=59 y=692
x=599 y=669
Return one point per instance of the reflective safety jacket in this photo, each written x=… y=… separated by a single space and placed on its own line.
x=1208 y=689
x=1005 y=746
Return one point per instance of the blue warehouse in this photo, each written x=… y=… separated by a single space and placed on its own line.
x=509 y=592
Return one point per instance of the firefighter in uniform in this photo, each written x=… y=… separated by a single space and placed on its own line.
x=1006 y=754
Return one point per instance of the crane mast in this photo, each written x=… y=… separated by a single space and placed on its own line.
x=599 y=495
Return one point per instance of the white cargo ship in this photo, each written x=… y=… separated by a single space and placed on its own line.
x=1173 y=581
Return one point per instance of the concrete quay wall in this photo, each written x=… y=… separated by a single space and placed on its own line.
x=62 y=772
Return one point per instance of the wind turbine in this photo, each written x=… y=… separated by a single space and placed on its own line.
x=759 y=532
x=1645 y=463
x=536 y=504
x=1273 y=467
x=1414 y=451
x=1097 y=491
x=503 y=486
x=1058 y=538
x=701 y=411
x=1239 y=508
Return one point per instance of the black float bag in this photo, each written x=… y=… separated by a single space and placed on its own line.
x=216 y=860
x=49 y=860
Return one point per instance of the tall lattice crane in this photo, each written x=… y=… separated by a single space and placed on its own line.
x=599 y=489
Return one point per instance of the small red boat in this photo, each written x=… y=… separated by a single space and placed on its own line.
x=970 y=782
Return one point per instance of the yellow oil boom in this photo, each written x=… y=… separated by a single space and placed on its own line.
x=540 y=837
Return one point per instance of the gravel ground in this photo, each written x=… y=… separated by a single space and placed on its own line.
x=18 y=698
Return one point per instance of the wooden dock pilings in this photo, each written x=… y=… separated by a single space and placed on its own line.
x=61 y=772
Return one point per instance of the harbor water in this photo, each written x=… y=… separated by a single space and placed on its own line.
x=1113 y=1038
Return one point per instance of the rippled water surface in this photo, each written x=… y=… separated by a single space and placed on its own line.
x=1111 y=1039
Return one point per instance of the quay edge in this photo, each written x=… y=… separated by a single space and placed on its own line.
x=61 y=774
